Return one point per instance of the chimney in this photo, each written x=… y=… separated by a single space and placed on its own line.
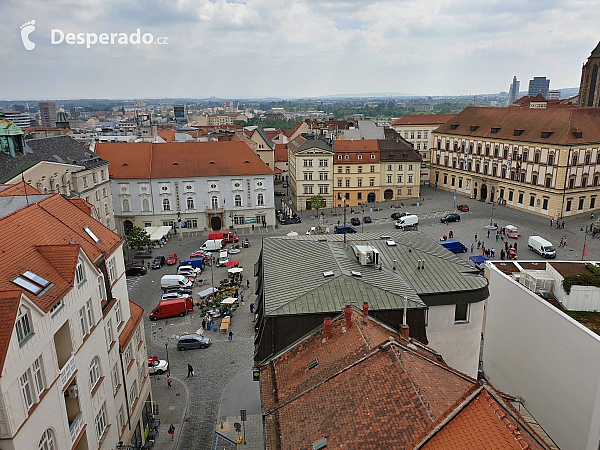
x=327 y=326
x=348 y=316
x=404 y=331
x=365 y=312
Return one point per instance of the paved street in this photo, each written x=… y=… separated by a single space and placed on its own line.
x=223 y=361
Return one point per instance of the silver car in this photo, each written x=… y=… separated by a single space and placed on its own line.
x=190 y=341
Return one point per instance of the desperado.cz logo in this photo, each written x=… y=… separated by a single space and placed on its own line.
x=58 y=37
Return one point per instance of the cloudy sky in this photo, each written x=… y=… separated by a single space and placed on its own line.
x=294 y=48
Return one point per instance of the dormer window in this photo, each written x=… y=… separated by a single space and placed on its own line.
x=23 y=325
x=547 y=134
x=518 y=132
x=578 y=134
x=473 y=127
x=453 y=127
x=495 y=130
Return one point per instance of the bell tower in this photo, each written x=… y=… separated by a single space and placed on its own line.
x=589 y=88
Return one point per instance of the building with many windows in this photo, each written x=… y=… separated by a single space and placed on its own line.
x=73 y=355
x=539 y=85
x=357 y=172
x=310 y=162
x=209 y=185
x=47 y=114
x=543 y=160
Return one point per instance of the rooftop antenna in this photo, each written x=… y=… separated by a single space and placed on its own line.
x=25 y=188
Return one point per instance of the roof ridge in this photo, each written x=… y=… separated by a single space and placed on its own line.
x=514 y=431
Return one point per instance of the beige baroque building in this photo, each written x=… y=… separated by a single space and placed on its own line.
x=542 y=160
x=310 y=171
x=357 y=172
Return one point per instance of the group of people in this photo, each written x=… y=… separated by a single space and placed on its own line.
x=446 y=237
x=561 y=225
x=563 y=242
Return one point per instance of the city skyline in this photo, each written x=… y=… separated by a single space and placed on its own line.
x=295 y=49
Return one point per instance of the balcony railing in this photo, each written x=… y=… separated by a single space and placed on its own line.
x=67 y=371
x=75 y=427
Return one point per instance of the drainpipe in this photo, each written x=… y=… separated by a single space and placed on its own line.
x=562 y=208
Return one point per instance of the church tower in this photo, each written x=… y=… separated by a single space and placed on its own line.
x=589 y=89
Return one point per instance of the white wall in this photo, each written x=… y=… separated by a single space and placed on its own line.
x=458 y=343
x=534 y=351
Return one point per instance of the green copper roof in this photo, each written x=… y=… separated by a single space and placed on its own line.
x=61 y=117
x=7 y=128
x=596 y=52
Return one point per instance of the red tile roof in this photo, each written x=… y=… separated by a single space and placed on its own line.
x=281 y=153
x=82 y=205
x=20 y=188
x=167 y=135
x=562 y=122
x=9 y=307
x=372 y=389
x=423 y=119
x=181 y=159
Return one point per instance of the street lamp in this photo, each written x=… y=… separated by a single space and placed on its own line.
x=491 y=226
x=168 y=363
x=180 y=230
x=583 y=253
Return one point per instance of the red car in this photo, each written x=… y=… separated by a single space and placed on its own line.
x=171 y=259
x=463 y=208
x=200 y=255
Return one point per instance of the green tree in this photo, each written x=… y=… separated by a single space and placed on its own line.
x=317 y=202
x=138 y=238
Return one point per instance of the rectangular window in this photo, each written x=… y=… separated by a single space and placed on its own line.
x=409 y=191
x=109 y=331
x=38 y=376
x=359 y=181
x=23 y=326
x=118 y=312
x=339 y=182
x=85 y=183
x=372 y=169
x=339 y=169
x=133 y=393
x=192 y=223
x=359 y=196
x=545 y=204
x=323 y=176
x=425 y=134
x=89 y=313
x=79 y=273
x=520 y=197
x=83 y=327
x=389 y=167
x=347 y=169
x=461 y=313
x=550 y=160
x=399 y=179
x=532 y=200
x=26 y=390
x=568 y=207
x=101 y=423
x=120 y=419
x=510 y=196
x=399 y=191
x=323 y=190
x=359 y=169
x=410 y=179
x=580 y=206
x=534 y=179
x=372 y=182
x=347 y=183
x=127 y=355
x=112 y=270
x=592 y=202
x=399 y=166
x=389 y=178
x=410 y=167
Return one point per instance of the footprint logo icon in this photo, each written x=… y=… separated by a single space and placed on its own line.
x=26 y=30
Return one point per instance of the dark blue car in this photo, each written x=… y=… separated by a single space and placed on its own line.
x=340 y=229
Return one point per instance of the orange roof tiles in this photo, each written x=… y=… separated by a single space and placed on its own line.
x=562 y=122
x=20 y=188
x=167 y=135
x=181 y=159
x=371 y=389
x=9 y=307
x=423 y=119
x=82 y=205
x=281 y=153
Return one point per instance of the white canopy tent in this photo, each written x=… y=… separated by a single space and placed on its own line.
x=229 y=301
x=157 y=233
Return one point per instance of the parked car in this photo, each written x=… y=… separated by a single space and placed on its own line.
x=296 y=219
x=453 y=245
x=179 y=291
x=190 y=341
x=340 y=229
x=174 y=294
x=279 y=194
x=158 y=262
x=450 y=218
x=463 y=208
x=171 y=259
x=397 y=216
x=172 y=307
x=355 y=221
x=136 y=270
x=157 y=366
x=367 y=219
x=408 y=221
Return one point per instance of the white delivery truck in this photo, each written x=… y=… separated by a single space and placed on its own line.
x=212 y=245
x=169 y=281
x=408 y=221
x=223 y=258
x=540 y=245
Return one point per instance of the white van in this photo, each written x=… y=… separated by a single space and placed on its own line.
x=189 y=271
x=212 y=245
x=175 y=281
x=408 y=221
x=540 y=245
x=223 y=258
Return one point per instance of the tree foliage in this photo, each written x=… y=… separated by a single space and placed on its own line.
x=138 y=238
x=317 y=202
x=583 y=279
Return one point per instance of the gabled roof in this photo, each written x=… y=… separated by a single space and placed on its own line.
x=596 y=52
x=58 y=149
x=9 y=307
x=423 y=119
x=20 y=188
x=368 y=388
x=264 y=137
x=181 y=159
x=281 y=153
x=446 y=279
x=306 y=142
x=82 y=205
x=561 y=122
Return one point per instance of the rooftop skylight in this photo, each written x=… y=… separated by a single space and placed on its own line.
x=91 y=234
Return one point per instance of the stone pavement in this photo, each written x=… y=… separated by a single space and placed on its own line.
x=172 y=407
x=242 y=393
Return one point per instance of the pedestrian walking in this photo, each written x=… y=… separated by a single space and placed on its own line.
x=515 y=246
x=493 y=253
x=565 y=243
x=190 y=370
x=562 y=240
x=172 y=431
x=502 y=254
x=230 y=335
x=475 y=236
x=450 y=235
x=204 y=324
x=502 y=238
x=591 y=215
x=169 y=381
x=506 y=245
x=242 y=295
x=252 y=307
x=551 y=222
x=248 y=284
x=148 y=264
x=563 y=225
x=488 y=233
x=497 y=237
x=472 y=248
x=478 y=244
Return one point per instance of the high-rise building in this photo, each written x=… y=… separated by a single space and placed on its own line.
x=589 y=89
x=48 y=114
x=513 y=91
x=179 y=111
x=539 y=85
x=553 y=94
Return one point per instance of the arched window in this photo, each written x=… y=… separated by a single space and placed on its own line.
x=166 y=204
x=238 y=200
x=145 y=205
x=214 y=201
x=47 y=441
x=190 y=203
x=94 y=372
x=125 y=205
x=260 y=200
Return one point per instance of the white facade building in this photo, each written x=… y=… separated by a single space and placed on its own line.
x=74 y=365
